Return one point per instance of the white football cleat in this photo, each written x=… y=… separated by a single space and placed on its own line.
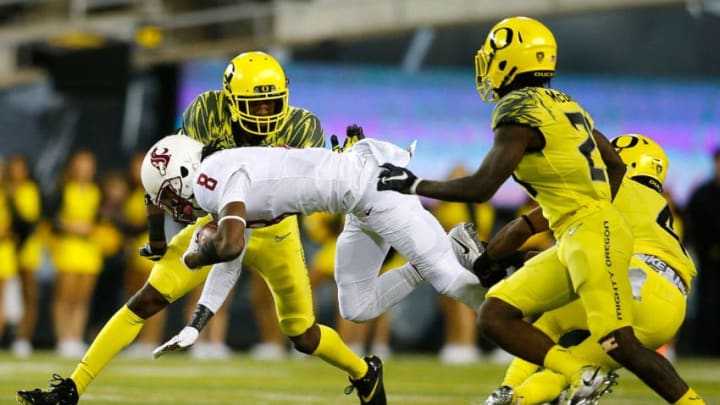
x=501 y=396
x=592 y=382
x=465 y=244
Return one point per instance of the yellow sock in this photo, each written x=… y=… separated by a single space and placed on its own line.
x=334 y=351
x=690 y=398
x=541 y=387
x=560 y=360
x=117 y=333
x=518 y=371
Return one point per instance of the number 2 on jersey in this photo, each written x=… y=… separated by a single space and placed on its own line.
x=579 y=122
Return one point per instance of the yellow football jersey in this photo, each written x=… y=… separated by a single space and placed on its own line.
x=568 y=173
x=207 y=119
x=648 y=214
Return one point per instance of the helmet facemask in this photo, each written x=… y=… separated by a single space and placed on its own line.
x=256 y=77
x=167 y=174
x=262 y=125
x=483 y=83
x=182 y=209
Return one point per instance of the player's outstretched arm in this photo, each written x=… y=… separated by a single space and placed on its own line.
x=501 y=255
x=188 y=335
x=515 y=233
x=510 y=143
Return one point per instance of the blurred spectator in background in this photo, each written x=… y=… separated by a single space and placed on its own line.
x=25 y=199
x=271 y=344
x=323 y=229
x=460 y=322
x=108 y=233
x=8 y=259
x=76 y=257
x=138 y=267
x=703 y=231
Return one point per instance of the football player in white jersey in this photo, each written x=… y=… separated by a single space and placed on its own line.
x=255 y=187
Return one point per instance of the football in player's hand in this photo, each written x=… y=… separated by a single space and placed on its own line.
x=206 y=232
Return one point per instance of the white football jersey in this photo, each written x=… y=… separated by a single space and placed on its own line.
x=277 y=182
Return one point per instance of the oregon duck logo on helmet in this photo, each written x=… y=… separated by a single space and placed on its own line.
x=514 y=46
x=643 y=157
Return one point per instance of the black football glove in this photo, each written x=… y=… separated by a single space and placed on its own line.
x=397 y=178
x=353 y=134
x=490 y=272
x=148 y=252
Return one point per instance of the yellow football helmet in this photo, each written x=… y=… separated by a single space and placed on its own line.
x=643 y=157
x=514 y=45
x=253 y=77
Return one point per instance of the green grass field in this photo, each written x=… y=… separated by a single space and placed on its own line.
x=420 y=380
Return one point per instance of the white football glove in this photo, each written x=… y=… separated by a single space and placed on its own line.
x=186 y=338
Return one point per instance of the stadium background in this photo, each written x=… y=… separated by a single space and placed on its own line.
x=642 y=66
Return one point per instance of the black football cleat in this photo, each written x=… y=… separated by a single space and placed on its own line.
x=62 y=392
x=370 y=388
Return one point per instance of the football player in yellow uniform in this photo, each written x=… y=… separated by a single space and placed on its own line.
x=251 y=110
x=547 y=142
x=660 y=273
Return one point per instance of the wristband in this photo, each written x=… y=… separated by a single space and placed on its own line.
x=200 y=317
x=413 y=188
x=235 y=217
x=529 y=223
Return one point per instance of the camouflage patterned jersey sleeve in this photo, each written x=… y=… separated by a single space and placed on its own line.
x=519 y=107
x=301 y=130
x=207 y=119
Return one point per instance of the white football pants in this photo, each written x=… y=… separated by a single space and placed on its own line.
x=383 y=219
